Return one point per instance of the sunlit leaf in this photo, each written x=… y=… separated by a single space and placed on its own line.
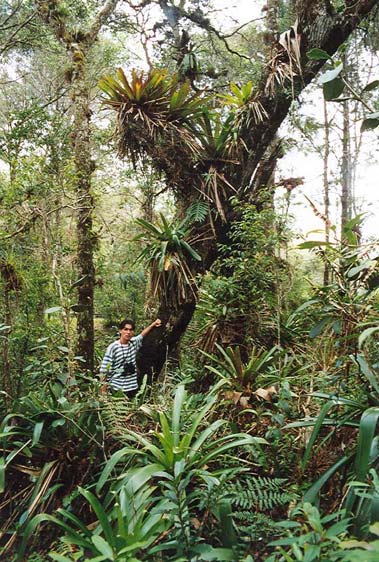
x=331 y=75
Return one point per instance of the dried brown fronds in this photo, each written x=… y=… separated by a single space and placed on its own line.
x=285 y=64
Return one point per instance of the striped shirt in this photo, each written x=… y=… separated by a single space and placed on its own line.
x=112 y=365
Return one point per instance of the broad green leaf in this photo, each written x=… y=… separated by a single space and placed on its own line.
x=53 y=309
x=283 y=542
x=66 y=514
x=180 y=396
x=318 y=54
x=337 y=528
x=367 y=265
x=306 y=305
x=313 y=492
x=115 y=458
x=37 y=432
x=312 y=244
x=101 y=514
x=59 y=557
x=370 y=122
x=228 y=533
x=368 y=373
x=207 y=553
x=287 y=524
x=2 y=474
x=319 y=422
x=333 y=89
x=191 y=251
x=141 y=476
x=58 y=423
x=102 y=546
x=367 y=429
x=75 y=537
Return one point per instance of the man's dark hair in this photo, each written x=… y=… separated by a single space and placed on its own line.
x=125 y=322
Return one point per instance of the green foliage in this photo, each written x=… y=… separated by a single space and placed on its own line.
x=309 y=536
x=349 y=303
x=259 y=493
x=335 y=83
x=150 y=108
x=169 y=252
x=130 y=525
x=239 y=301
x=181 y=453
x=240 y=375
x=45 y=428
x=356 y=551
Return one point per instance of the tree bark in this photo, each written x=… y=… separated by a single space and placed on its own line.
x=86 y=241
x=325 y=181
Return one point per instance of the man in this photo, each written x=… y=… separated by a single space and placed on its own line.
x=119 y=362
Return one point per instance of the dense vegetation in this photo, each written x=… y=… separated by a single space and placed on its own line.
x=154 y=192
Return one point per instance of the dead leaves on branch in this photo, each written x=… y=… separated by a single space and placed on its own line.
x=285 y=64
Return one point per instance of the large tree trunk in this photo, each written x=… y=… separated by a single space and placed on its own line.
x=163 y=342
x=318 y=26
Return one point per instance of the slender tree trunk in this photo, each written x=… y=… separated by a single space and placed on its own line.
x=272 y=8
x=6 y=375
x=85 y=205
x=77 y=44
x=346 y=175
x=325 y=178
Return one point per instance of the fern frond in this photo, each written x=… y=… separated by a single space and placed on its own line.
x=197 y=212
x=259 y=493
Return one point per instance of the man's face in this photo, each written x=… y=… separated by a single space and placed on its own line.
x=126 y=333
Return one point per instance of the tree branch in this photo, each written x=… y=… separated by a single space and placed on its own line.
x=322 y=30
x=18 y=28
x=101 y=18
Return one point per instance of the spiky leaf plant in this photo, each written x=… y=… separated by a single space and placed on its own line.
x=184 y=454
x=246 y=108
x=242 y=375
x=47 y=445
x=219 y=146
x=151 y=108
x=169 y=252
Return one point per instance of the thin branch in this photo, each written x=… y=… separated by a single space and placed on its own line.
x=14 y=11
x=101 y=19
x=21 y=26
x=238 y=29
x=204 y=23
